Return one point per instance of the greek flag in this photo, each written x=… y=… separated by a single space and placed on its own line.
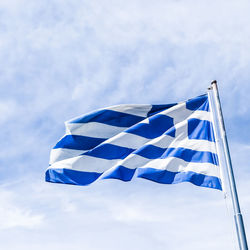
x=169 y=143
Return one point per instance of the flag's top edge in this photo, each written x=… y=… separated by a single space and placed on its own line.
x=146 y=110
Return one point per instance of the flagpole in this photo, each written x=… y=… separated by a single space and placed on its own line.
x=241 y=235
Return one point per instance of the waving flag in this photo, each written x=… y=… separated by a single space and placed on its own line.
x=167 y=144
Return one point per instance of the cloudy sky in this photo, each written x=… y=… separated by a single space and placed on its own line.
x=62 y=58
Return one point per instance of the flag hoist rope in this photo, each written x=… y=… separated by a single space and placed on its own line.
x=241 y=235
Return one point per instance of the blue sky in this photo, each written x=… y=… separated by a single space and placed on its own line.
x=60 y=59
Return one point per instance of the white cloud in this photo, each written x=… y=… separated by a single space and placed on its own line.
x=59 y=59
x=7 y=110
x=13 y=215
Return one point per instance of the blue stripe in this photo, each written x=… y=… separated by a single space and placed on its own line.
x=170 y=131
x=158 y=124
x=110 y=117
x=200 y=130
x=79 y=142
x=159 y=108
x=68 y=176
x=109 y=152
x=167 y=177
x=198 y=103
x=150 y=152
x=188 y=155
x=120 y=173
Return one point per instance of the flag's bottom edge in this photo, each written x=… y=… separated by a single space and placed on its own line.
x=74 y=177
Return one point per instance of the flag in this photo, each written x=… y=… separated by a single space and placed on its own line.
x=169 y=143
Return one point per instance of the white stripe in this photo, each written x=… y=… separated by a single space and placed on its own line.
x=127 y=140
x=59 y=154
x=93 y=129
x=92 y=164
x=85 y=163
x=201 y=115
x=134 y=161
x=172 y=164
x=198 y=145
x=178 y=165
x=179 y=112
x=132 y=109
x=166 y=141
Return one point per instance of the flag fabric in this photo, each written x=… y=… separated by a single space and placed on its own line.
x=168 y=144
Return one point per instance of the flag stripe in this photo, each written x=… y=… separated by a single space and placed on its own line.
x=155 y=126
x=93 y=129
x=198 y=103
x=86 y=163
x=163 y=176
x=133 y=161
x=200 y=130
x=168 y=177
x=59 y=154
x=78 y=142
x=119 y=172
x=109 y=152
x=180 y=113
x=160 y=176
x=178 y=165
x=69 y=176
x=110 y=117
x=188 y=155
x=133 y=109
x=159 y=108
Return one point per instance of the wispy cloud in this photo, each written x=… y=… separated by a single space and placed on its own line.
x=13 y=215
x=59 y=59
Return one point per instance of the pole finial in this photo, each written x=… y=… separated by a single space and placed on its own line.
x=214 y=82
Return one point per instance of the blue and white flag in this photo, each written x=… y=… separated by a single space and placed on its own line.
x=168 y=144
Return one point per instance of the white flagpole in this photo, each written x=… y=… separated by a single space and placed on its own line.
x=241 y=235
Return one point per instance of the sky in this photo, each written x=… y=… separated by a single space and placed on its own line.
x=61 y=59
